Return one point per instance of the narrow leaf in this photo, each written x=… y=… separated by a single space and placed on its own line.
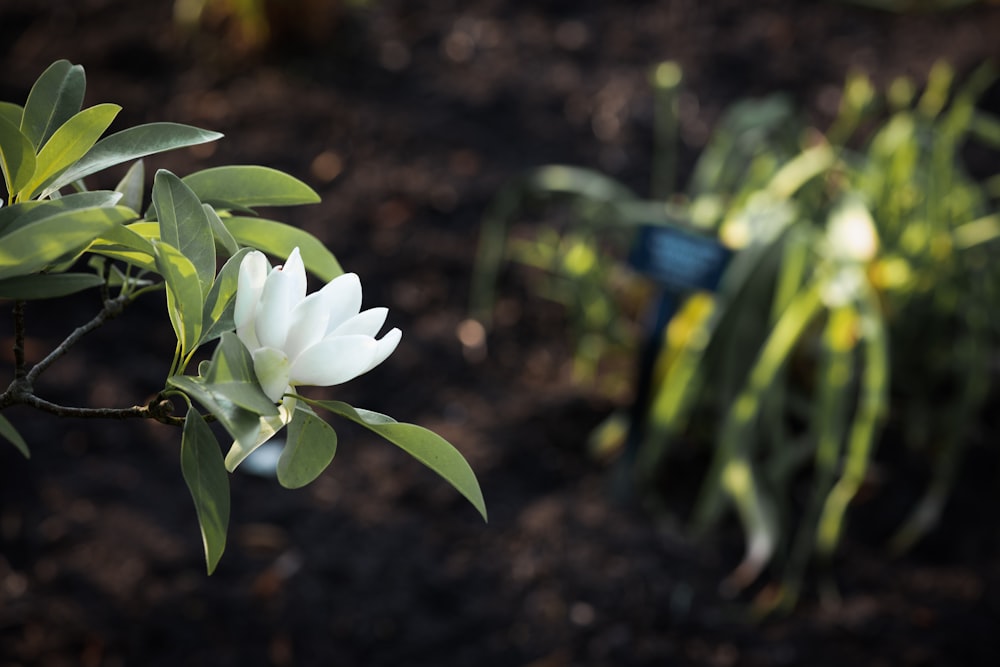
x=125 y=244
x=184 y=295
x=422 y=444
x=184 y=225
x=47 y=286
x=242 y=425
x=221 y=300
x=55 y=98
x=206 y=478
x=68 y=144
x=19 y=215
x=279 y=239
x=133 y=143
x=131 y=186
x=17 y=157
x=223 y=238
x=244 y=186
x=10 y=434
x=31 y=248
x=309 y=448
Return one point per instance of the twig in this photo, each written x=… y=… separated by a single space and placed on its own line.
x=161 y=410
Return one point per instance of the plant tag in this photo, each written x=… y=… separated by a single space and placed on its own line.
x=678 y=259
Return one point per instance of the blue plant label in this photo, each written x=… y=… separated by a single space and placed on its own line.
x=678 y=259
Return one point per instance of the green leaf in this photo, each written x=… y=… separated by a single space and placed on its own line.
x=125 y=244
x=279 y=239
x=241 y=424
x=244 y=186
x=68 y=144
x=206 y=478
x=223 y=238
x=19 y=215
x=17 y=157
x=131 y=186
x=47 y=286
x=55 y=98
x=12 y=113
x=217 y=317
x=10 y=434
x=184 y=225
x=133 y=143
x=230 y=375
x=422 y=444
x=184 y=295
x=31 y=248
x=309 y=448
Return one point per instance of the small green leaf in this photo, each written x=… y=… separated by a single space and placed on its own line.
x=279 y=239
x=10 y=434
x=242 y=425
x=206 y=478
x=68 y=144
x=47 y=286
x=55 y=98
x=131 y=186
x=12 y=113
x=31 y=248
x=125 y=244
x=17 y=157
x=19 y=215
x=185 y=300
x=309 y=448
x=422 y=444
x=184 y=225
x=221 y=300
x=133 y=143
x=230 y=375
x=223 y=238
x=244 y=186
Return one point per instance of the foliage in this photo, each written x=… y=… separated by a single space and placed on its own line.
x=57 y=238
x=862 y=261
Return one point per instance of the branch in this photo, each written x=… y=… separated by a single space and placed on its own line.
x=160 y=409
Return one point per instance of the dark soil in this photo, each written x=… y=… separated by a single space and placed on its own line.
x=407 y=119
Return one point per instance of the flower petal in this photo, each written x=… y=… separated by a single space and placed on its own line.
x=253 y=273
x=284 y=288
x=385 y=346
x=272 y=369
x=334 y=360
x=307 y=322
x=344 y=294
x=366 y=323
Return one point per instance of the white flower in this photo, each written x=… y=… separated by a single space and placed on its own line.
x=322 y=339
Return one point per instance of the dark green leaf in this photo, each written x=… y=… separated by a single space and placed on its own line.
x=309 y=448
x=426 y=446
x=223 y=238
x=242 y=425
x=55 y=98
x=279 y=239
x=132 y=185
x=12 y=113
x=47 y=286
x=244 y=186
x=17 y=158
x=133 y=143
x=221 y=300
x=31 y=248
x=206 y=478
x=9 y=433
x=184 y=225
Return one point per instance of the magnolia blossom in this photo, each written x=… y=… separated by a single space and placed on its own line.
x=322 y=339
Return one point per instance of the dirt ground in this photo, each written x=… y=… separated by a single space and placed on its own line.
x=406 y=118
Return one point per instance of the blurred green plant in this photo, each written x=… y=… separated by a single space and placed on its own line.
x=867 y=239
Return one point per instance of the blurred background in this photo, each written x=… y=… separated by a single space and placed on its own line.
x=811 y=475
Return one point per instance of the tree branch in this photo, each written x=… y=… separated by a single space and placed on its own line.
x=160 y=409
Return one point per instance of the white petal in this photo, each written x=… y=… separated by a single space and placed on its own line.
x=366 y=323
x=334 y=360
x=344 y=294
x=386 y=346
x=284 y=288
x=253 y=272
x=272 y=369
x=307 y=322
